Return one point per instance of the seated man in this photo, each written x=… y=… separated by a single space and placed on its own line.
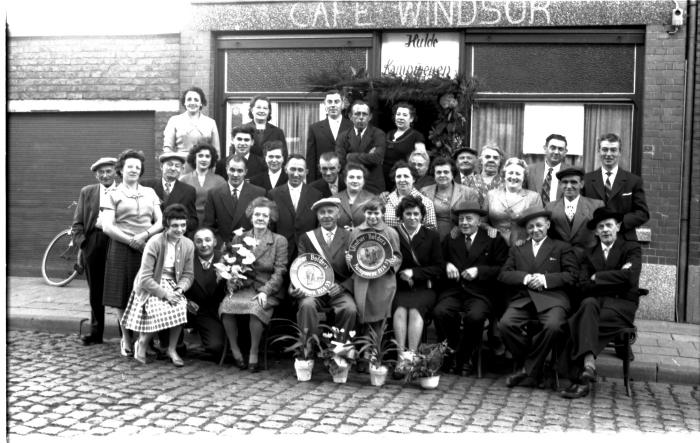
x=329 y=242
x=473 y=261
x=609 y=281
x=206 y=293
x=538 y=272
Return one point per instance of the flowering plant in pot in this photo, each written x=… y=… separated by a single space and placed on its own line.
x=426 y=364
x=337 y=352
x=376 y=345
x=303 y=345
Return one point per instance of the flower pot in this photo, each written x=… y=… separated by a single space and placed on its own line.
x=429 y=382
x=303 y=369
x=377 y=375
x=340 y=375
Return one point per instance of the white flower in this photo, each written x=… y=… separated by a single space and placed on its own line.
x=250 y=241
x=229 y=259
x=222 y=270
x=351 y=334
x=238 y=232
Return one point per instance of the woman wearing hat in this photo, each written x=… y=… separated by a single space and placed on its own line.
x=202 y=158
x=191 y=127
x=131 y=217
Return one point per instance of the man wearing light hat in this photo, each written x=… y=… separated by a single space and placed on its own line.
x=330 y=242
x=473 y=261
x=609 y=282
x=465 y=158
x=538 y=273
x=87 y=234
x=170 y=190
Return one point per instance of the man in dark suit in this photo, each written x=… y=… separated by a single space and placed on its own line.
x=364 y=144
x=170 y=190
x=275 y=174
x=620 y=190
x=331 y=243
x=329 y=183
x=538 y=273
x=571 y=212
x=473 y=261
x=609 y=280
x=206 y=293
x=466 y=159
x=224 y=211
x=542 y=176
x=324 y=133
x=242 y=142
x=294 y=200
x=88 y=236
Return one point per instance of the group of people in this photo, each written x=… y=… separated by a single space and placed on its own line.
x=477 y=237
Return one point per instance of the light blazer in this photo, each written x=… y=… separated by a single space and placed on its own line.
x=293 y=223
x=205 y=290
x=576 y=234
x=321 y=140
x=181 y=193
x=535 y=177
x=610 y=279
x=270 y=133
x=270 y=265
x=334 y=253
x=222 y=217
x=324 y=188
x=555 y=259
x=86 y=213
x=262 y=179
x=354 y=215
x=350 y=148
x=627 y=198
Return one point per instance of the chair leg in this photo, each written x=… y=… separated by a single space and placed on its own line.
x=626 y=363
x=265 y=343
x=224 y=351
x=479 y=353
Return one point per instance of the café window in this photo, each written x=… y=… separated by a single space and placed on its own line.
x=278 y=66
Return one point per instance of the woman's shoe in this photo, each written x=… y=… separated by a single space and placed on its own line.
x=141 y=359
x=125 y=350
x=254 y=367
x=177 y=361
x=240 y=363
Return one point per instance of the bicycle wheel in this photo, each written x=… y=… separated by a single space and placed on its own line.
x=60 y=262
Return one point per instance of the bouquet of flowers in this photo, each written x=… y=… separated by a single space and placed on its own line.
x=337 y=349
x=236 y=263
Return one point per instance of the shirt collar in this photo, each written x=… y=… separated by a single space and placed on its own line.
x=326 y=231
x=573 y=202
x=238 y=188
x=539 y=243
x=613 y=170
x=293 y=189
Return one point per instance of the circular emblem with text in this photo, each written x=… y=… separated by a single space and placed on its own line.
x=312 y=274
x=369 y=255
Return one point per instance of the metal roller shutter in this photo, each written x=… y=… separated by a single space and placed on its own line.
x=48 y=162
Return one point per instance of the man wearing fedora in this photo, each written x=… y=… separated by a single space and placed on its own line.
x=572 y=211
x=609 y=280
x=465 y=158
x=170 y=190
x=473 y=261
x=538 y=273
x=88 y=236
x=330 y=243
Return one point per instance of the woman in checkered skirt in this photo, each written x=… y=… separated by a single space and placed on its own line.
x=157 y=301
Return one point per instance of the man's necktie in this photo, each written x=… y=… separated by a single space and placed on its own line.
x=546 y=186
x=468 y=242
x=205 y=265
x=234 y=195
x=608 y=186
x=166 y=191
x=329 y=237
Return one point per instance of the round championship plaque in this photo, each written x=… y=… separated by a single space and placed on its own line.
x=369 y=255
x=312 y=274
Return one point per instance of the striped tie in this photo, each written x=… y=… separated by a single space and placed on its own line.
x=546 y=186
x=608 y=186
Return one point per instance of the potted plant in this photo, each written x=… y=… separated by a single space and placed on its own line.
x=338 y=352
x=426 y=364
x=303 y=344
x=376 y=345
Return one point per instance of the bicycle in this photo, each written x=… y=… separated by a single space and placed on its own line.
x=61 y=262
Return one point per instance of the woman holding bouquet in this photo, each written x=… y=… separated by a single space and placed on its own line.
x=254 y=265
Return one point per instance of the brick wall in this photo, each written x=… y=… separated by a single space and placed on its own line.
x=663 y=128
x=694 y=215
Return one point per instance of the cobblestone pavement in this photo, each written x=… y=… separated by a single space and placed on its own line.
x=57 y=387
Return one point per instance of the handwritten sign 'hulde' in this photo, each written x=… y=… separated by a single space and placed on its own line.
x=420 y=54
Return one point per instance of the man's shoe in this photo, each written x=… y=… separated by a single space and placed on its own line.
x=467 y=369
x=589 y=374
x=515 y=378
x=577 y=391
x=90 y=340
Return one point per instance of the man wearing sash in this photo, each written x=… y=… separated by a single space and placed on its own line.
x=330 y=243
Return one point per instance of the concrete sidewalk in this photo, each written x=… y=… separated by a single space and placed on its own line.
x=665 y=352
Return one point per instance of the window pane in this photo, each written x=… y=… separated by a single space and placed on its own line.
x=501 y=123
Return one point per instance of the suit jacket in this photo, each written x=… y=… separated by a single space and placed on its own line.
x=576 y=234
x=535 y=177
x=254 y=165
x=487 y=255
x=293 y=223
x=610 y=279
x=262 y=179
x=324 y=188
x=334 y=253
x=430 y=265
x=205 y=290
x=222 y=217
x=627 y=198
x=352 y=215
x=85 y=215
x=270 y=133
x=321 y=140
x=270 y=265
x=181 y=193
x=350 y=148
x=555 y=259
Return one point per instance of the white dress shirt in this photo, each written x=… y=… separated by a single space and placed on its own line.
x=238 y=189
x=334 y=123
x=606 y=249
x=274 y=177
x=570 y=207
x=329 y=235
x=554 y=184
x=104 y=200
x=612 y=176
x=536 y=246
x=295 y=193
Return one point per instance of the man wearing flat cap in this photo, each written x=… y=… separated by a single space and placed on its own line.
x=609 y=281
x=572 y=211
x=330 y=242
x=473 y=261
x=465 y=158
x=170 y=190
x=88 y=236
x=538 y=273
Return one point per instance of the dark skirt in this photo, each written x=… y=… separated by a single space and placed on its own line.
x=420 y=299
x=122 y=265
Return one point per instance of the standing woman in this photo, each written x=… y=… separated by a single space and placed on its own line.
x=260 y=110
x=353 y=197
x=167 y=271
x=131 y=217
x=403 y=140
x=191 y=127
x=202 y=158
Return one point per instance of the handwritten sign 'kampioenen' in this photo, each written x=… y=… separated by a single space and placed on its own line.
x=420 y=54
